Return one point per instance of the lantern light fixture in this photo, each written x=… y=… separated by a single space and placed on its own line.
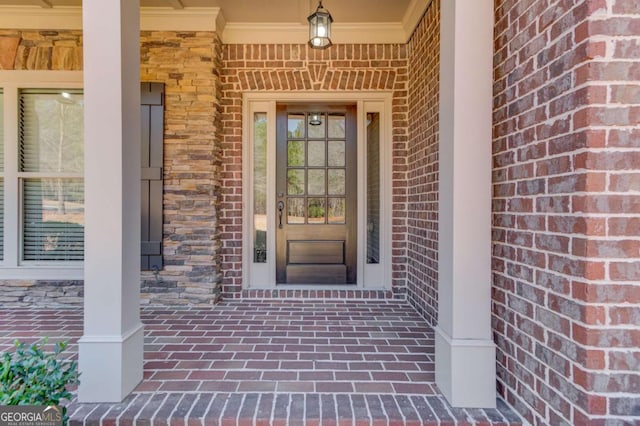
x=315 y=119
x=320 y=28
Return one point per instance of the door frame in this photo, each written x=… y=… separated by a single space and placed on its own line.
x=369 y=276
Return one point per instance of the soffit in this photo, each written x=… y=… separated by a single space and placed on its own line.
x=240 y=21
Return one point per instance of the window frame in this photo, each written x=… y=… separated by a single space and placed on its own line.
x=11 y=266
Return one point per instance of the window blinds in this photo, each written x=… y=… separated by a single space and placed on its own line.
x=50 y=157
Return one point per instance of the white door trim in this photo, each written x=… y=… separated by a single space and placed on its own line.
x=369 y=276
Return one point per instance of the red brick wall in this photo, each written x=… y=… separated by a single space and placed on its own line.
x=422 y=165
x=566 y=236
x=297 y=67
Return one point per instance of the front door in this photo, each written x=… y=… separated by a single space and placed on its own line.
x=316 y=184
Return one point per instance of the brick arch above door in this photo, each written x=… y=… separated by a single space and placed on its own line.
x=281 y=67
x=317 y=77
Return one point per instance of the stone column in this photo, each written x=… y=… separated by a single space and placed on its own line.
x=465 y=352
x=112 y=345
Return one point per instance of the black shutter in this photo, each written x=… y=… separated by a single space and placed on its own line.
x=152 y=118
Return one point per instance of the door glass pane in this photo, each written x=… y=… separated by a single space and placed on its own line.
x=336 y=126
x=295 y=153
x=317 y=131
x=316 y=182
x=316 y=153
x=373 y=187
x=336 y=181
x=336 y=154
x=295 y=126
x=316 y=210
x=336 y=210
x=295 y=210
x=295 y=182
x=260 y=187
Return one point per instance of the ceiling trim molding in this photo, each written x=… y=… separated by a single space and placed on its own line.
x=287 y=33
x=38 y=18
x=151 y=18
x=413 y=15
x=187 y=19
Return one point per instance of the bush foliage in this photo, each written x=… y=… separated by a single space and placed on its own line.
x=31 y=376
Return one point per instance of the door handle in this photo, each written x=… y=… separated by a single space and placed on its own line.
x=280 y=208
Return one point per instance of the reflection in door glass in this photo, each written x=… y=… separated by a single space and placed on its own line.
x=336 y=154
x=373 y=187
x=295 y=126
x=260 y=187
x=336 y=181
x=317 y=130
x=316 y=181
x=295 y=153
x=316 y=153
x=336 y=210
x=295 y=210
x=295 y=182
x=336 y=126
x=316 y=210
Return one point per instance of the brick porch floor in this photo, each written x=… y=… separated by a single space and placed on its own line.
x=272 y=362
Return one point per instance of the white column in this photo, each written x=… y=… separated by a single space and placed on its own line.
x=112 y=345
x=465 y=352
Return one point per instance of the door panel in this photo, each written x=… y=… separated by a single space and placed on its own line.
x=321 y=252
x=316 y=195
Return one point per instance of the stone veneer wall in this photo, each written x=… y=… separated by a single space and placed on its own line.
x=298 y=67
x=188 y=64
x=566 y=264
x=422 y=164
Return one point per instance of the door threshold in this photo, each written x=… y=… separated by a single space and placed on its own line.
x=287 y=286
x=311 y=292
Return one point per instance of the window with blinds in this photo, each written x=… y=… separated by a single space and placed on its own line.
x=51 y=162
x=1 y=175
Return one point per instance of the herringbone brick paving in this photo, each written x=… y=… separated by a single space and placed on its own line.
x=272 y=362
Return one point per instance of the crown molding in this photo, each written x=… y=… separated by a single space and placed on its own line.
x=151 y=18
x=412 y=16
x=38 y=18
x=260 y=33
x=187 y=19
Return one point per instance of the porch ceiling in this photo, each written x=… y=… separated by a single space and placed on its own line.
x=250 y=21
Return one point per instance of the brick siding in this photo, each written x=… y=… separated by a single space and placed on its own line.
x=297 y=67
x=422 y=164
x=566 y=235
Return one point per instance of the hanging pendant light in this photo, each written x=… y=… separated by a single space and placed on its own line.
x=315 y=119
x=320 y=28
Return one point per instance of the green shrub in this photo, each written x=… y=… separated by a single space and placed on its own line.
x=316 y=211
x=31 y=376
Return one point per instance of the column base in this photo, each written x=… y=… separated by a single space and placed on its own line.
x=466 y=370
x=110 y=366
